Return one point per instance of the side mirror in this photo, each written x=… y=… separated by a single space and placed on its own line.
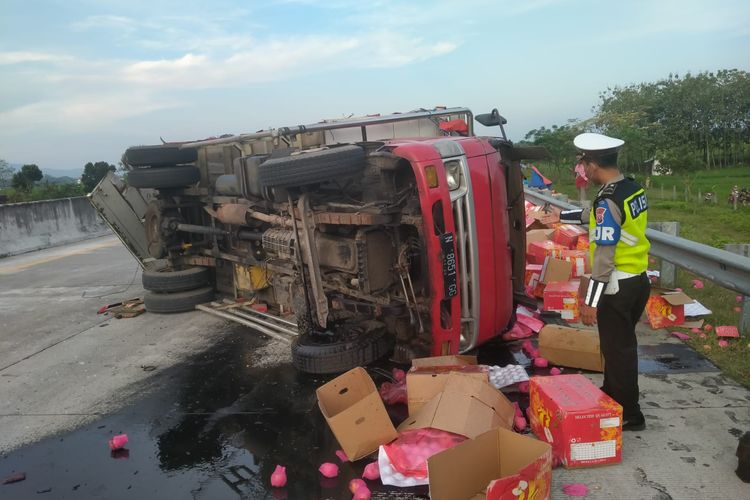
x=492 y=119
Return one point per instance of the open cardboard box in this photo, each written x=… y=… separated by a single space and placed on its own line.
x=571 y=347
x=555 y=270
x=535 y=235
x=427 y=377
x=355 y=413
x=467 y=406
x=666 y=307
x=497 y=465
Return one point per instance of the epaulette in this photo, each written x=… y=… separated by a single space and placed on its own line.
x=609 y=189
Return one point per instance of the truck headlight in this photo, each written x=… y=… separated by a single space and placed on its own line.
x=453 y=174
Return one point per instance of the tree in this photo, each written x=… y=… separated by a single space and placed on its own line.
x=558 y=141
x=93 y=173
x=25 y=178
x=6 y=174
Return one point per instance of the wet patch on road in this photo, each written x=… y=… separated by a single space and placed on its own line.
x=216 y=426
x=672 y=358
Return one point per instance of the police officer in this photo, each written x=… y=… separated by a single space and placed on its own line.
x=619 y=288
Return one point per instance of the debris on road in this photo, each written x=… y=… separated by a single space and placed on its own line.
x=394 y=392
x=329 y=470
x=575 y=489
x=14 y=478
x=342 y=456
x=118 y=442
x=278 y=477
x=371 y=472
x=680 y=335
x=126 y=309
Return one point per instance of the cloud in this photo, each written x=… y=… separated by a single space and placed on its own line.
x=7 y=58
x=683 y=17
x=83 y=112
x=283 y=58
x=105 y=22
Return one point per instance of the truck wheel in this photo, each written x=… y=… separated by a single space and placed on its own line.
x=311 y=168
x=177 y=302
x=169 y=281
x=164 y=177
x=313 y=354
x=160 y=155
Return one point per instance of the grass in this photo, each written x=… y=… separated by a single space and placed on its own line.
x=714 y=224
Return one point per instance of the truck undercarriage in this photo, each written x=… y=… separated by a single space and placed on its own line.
x=319 y=231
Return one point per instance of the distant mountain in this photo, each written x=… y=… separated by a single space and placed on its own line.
x=59 y=180
x=74 y=173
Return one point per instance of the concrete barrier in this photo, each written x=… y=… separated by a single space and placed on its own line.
x=25 y=227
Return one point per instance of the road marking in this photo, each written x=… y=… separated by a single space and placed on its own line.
x=10 y=269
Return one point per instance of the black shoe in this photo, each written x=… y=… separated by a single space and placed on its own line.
x=634 y=424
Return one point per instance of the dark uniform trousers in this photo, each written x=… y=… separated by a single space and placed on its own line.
x=617 y=316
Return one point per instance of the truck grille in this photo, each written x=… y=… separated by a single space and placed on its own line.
x=466 y=248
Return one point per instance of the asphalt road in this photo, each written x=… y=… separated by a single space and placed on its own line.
x=210 y=407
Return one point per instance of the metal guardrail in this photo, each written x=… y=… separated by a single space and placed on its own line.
x=724 y=268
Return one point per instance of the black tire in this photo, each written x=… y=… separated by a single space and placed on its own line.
x=177 y=302
x=161 y=155
x=176 y=281
x=164 y=178
x=311 y=355
x=311 y=168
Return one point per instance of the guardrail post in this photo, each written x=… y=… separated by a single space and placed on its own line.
x=743 y=323
x=668 y=272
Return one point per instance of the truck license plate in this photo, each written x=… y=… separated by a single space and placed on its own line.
x=450 y=276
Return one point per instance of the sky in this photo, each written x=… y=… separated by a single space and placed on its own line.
x=81 y=80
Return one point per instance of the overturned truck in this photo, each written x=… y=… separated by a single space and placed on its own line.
x=359 y=237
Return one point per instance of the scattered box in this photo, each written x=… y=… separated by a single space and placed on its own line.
x=567 y=235
x=579 y=260
x=537 y=235
x=583 y=425
x=497 y=465
x=666 y=308
x=427 y=377
x=355 y=413
x=555 y=270
x=533 y=223
x=562 y=297
x=466 y=406
x=540 y=250
x=731 y=332
x=571 y=347
x=533 y=273
x=583 y=242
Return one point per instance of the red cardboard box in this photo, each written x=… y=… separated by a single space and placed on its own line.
x=583 y=242
x=540 y=250
x=666 y=308
x=533 y=273
x=562 y=297
x=583 y=425
x=567 y=235
x=580 y=261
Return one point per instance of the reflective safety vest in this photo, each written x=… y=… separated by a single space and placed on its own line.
x=631 y=252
